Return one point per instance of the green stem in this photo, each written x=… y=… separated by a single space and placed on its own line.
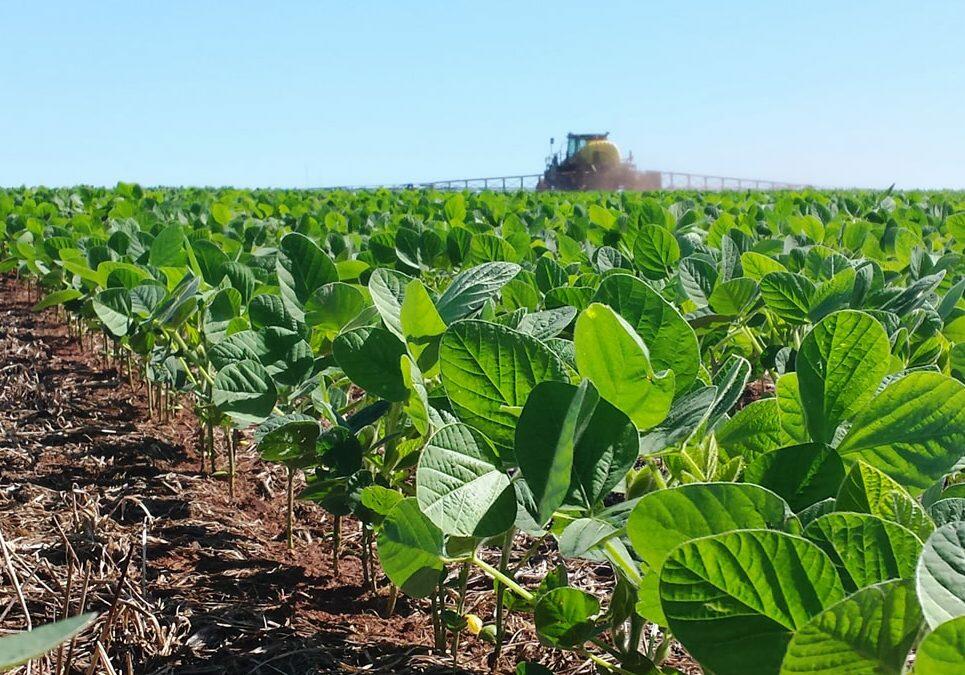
x=503 y=579
x=500 y=593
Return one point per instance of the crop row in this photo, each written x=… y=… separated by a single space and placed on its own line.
x=749 y=406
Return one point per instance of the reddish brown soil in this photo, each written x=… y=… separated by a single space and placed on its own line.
x=86 y=477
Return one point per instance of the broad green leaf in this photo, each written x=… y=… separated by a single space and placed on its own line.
x=791 y=408
x=410 y=549
x=947 y=510
x=733 y=297
x=57 y=298
x=416 y=404
x=471 y=288
x=488 y=371
x=332 y=306
x=942 y=652
x=421 y=324
x=655 y=251
x=735 y=600
x=223 y=308
x=756 y=265
x=582 y=535
x=840 y=364
x=868 y=632
x=867 y=549
x=387 y=288
x=244 y=390
x=869 y=490
x=940 y=579
x=671 y=342
x=460 y=486
x=788 y=295
x=288 y=438
x=370 y=357
x=564 y=617
x=113 y=308
x=380 y=499
x=302 y=269
x=801 y=474
x=730 y=381
x=664 y=519
x=571 y=445
x=754 y=430
x=547 y=324
x=914 y=430
x=611 y=354
x=19 y=648
x=168 y=248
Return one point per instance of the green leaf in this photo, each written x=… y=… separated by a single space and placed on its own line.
x=801 y=474
x=755 y=429
x=460 y=486
x=488 y=371
x=867 y=549
x=942 y=652
x=572 y=446
x=416 y=404
x=223 y=308
x=947 y=510
x=546 y=324
x=564 y=617
x=288 y=438
x=840 y=364
x=302 y=269
x=733 y=297
x=168 y=248
x=245 y=391
x=421 y=324
x=730 y=380
x=791 y=408
x=756 y=265
x=914 y=430
x=610 y=354
x=671 y=342
x=664 y=519
x=941 y=574
x=869 y=490
x=387 y=288
x=19 y=648
x=471 y=288
x=57 y=298
x=113 y=308
x=332 y=306
x=410 y=549
x=734 y=600
x=380 y=499
x=370 y=357
x=868 y=632
x=655 y=251
x=788 y=295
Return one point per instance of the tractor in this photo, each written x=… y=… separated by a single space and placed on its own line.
x=592 y=162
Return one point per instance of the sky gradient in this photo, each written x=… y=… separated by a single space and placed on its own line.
x=295 y=94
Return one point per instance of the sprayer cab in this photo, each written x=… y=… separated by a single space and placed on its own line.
x=589 y=162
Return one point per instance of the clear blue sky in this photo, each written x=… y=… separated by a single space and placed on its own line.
x=842 y=92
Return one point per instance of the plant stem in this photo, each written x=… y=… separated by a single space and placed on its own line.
x=501 y=592
x=460 y=605
x=290 y=515
x=336 y=544
x=496 y=575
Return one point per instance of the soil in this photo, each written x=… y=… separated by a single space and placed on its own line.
x=102 y=505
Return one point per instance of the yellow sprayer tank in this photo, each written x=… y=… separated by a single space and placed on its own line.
x=601 y=154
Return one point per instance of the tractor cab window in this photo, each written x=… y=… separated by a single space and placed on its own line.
x=574 y=145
